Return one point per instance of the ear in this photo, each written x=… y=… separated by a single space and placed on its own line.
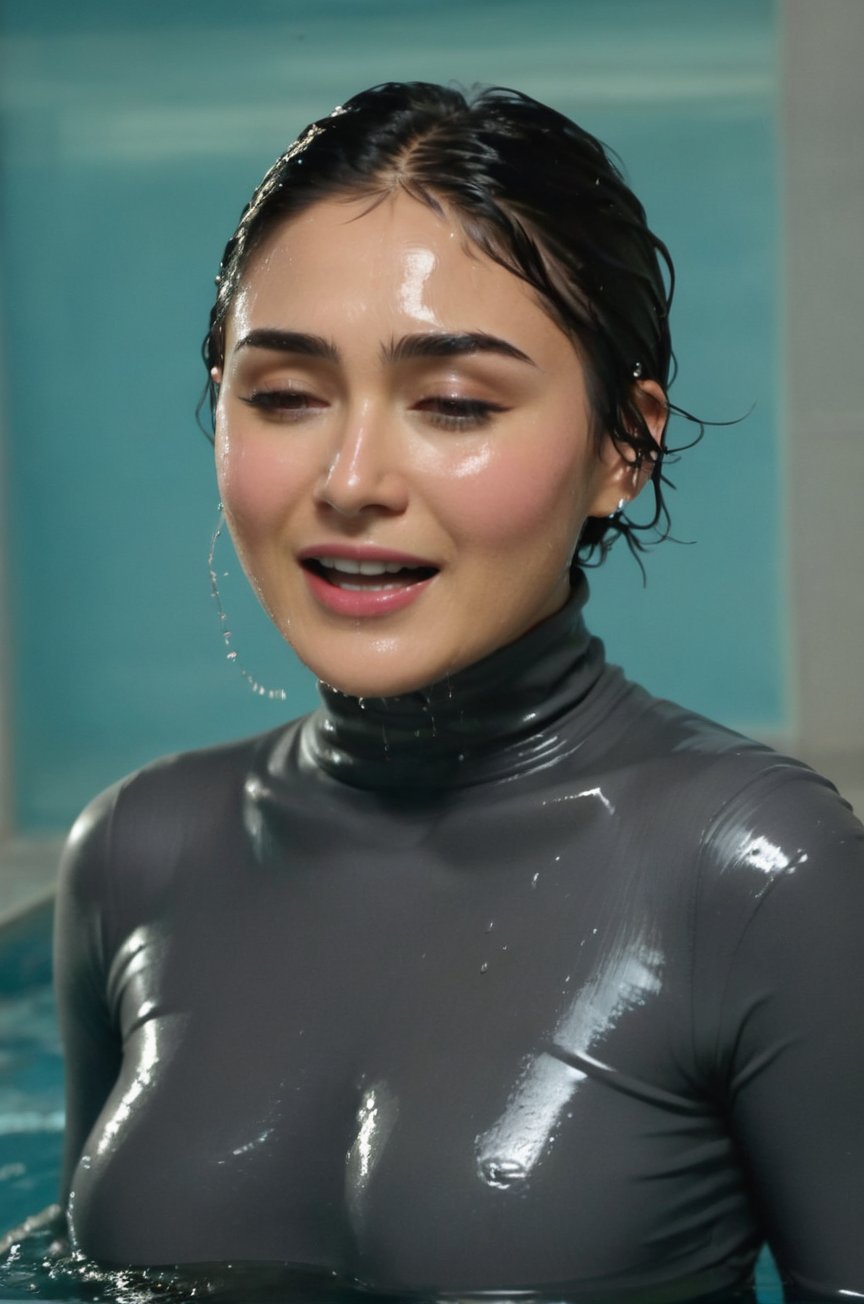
x=216 y=374
x=622 y=473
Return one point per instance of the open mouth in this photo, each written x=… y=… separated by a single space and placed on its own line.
x=367 y=576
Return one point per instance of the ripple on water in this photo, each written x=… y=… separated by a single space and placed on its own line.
x=36 y=1268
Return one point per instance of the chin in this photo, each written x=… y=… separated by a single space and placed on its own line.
x=388 y=674
x=379 y=684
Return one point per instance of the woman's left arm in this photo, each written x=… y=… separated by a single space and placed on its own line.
x=793 y=1024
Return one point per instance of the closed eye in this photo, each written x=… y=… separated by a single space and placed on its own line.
x=458 y=413
x=286 y=403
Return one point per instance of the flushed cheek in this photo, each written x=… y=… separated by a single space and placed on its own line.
x=511 y=503
x=254 y=485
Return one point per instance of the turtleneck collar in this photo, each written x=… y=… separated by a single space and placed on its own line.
x=493 y=719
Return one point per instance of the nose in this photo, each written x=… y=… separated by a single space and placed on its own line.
x=363 y=470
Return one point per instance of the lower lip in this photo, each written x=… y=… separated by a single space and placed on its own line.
x=361 y=603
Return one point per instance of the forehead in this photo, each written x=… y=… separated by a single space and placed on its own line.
x=391 y=265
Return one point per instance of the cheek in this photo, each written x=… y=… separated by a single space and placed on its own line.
x=515 y=496
x=255 y=482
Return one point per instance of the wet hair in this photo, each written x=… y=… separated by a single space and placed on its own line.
x=533 y=191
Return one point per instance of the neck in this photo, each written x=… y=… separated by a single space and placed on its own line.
x=493 y=719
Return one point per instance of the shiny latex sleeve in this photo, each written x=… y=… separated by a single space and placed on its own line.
x=530 y=982
x=92 y=1044
x=792 y=1012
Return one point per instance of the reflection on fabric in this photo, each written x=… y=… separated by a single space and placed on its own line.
x=628 y=976
x=483 y=989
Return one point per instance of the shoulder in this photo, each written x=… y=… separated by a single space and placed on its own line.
x=777 y=897
x=712 y=774
x=766 y=861
x=763 y=816
x=730 y=814
x=159 y=788
x=777 y=942
x=784 y=860
x=130 y=839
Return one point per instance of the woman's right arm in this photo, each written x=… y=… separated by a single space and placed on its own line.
x=82 y=934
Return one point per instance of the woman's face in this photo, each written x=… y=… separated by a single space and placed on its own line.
x=403 y=444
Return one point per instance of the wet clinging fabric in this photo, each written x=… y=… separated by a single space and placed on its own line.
x=529 y=981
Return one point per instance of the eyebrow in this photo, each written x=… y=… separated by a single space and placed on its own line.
x=277 y=341
x=441 y=345
x=436 y=344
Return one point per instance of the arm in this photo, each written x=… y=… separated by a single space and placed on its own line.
x=90 y=1039
x=791 y=1029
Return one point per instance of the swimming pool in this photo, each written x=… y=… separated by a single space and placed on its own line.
x=31 y=1103
x=31 y=1125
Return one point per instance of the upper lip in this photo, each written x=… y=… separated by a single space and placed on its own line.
x=364 y=552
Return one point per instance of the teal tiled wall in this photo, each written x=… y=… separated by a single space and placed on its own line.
x=133 y=135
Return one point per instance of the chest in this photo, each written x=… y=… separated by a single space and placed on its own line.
x=329 y=1055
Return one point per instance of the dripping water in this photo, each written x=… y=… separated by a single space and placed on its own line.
x=259 y=689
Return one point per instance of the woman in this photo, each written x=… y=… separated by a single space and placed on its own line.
x=494 y=975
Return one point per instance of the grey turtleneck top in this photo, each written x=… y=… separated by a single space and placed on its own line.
x=528 y=982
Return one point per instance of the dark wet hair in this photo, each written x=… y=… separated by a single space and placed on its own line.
x=534 y=192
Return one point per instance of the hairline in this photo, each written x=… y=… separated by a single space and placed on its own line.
x=378 y=190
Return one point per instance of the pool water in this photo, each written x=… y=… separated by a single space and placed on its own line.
x=31 y=1094
x=31 y=1127
x=31 y=1106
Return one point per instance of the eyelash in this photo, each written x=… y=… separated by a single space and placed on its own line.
x=282 y=402
x=459 y=413
x=442 y=412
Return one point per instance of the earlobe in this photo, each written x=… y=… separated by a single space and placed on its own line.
x=622 y=479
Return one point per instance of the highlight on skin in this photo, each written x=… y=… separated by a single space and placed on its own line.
x=531 y=191
x=445 y=434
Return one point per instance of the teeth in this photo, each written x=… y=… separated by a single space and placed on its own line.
x=364 y=588
x=350 y=567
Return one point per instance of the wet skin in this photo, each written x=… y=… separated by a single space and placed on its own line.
x=391 y=395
